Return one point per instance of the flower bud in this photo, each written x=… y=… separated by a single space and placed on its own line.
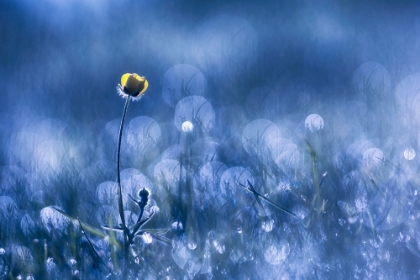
x=133 y=84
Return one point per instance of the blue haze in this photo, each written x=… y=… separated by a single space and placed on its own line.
x=314 y=105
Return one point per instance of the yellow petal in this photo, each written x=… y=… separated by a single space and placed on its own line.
x=124 y=79
x=146 y=85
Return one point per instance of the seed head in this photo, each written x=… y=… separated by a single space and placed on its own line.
x=144 y=195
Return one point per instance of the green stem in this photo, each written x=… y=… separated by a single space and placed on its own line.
x=120 y=201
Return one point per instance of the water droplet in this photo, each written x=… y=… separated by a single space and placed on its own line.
x=267 y=226
x=72 y=262
x=177 y=226
x=314 y=122
x=192 y=245
x=147 y=238
x=187 y=126
x=409 y=154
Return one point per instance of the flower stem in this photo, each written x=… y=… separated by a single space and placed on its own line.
x=120 y=201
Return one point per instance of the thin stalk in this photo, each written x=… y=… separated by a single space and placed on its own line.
x=316 y=201
x=269 y=201
x=120 y=201
x=90 y=243
x=140 y=215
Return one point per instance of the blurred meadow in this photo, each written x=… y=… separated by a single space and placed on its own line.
x=276 y=139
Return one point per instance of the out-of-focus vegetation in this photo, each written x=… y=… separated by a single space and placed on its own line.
x=275 y=141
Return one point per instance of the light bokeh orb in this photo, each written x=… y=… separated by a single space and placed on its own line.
x=196 y=110
x=187 y=126
x=180 y=81
x=261 y=137
x=314 y=122
x=409 y=154
x=371 y=78
x=407 y=94
x=373 y=157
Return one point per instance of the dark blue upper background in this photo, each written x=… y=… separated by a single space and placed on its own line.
x=65 y=57
x=314 y=102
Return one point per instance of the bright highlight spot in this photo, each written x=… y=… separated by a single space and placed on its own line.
x=314 y=122
x=409 y=154
x=187 y=126
x=147 y=238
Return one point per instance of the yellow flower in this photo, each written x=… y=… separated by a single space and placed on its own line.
x=132 y=85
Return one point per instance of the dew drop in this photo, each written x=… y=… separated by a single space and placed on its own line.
x=147 y=238
x=314 y=122
x=192 y=245
x=409 y=154
x=177 y=226
x=187 y=126
x=268 y=226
